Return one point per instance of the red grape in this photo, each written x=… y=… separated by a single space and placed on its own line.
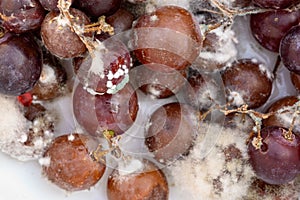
x=171 y=131
x=247 y=82
x=58 y=37
x=277 y=161
x=71 y=166
x=105 y=70
x=97 y=113
x=290 y=49
x=146 y=183
x=179 y=40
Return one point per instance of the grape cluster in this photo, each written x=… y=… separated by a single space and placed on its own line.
x=118 y=60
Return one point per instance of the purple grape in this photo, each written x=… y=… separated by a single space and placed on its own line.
x=21 y=16
x=290 y=49
x=277 y=161
x=20 y=64
x=268 y=28
x=96 y=8
x=276 y=4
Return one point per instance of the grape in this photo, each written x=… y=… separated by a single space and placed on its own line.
x=156 y=83
x=178 y=43
x=105 y=71
x=282 y=119
x=96 y=8
x=268 y=28
x=57 y=36
x=20 y=64
x=276 y=4
x=98 y=113
x=278 y=160
x=71 y=166
x=52 y=81
x=121 y=21
x=247 y=82
x=50 y=5
x=22 y=15
x=149 y=182
x=295 y=78
x=171 y=131
x=290 y=48
x=200 y=91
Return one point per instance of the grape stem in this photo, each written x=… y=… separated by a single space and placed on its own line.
x=79 y=30
x=113 y=147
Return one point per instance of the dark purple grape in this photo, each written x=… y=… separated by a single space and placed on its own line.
x=97 y=113
x=277 y=161
x=275 y=4
x=96 y=8
x=20 y=64
x=21 y=16
x=290 y=49
x=268 y=28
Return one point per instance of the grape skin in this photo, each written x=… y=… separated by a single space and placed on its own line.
x=290 y=49
x=20 y=64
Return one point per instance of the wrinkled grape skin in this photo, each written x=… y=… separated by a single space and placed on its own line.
x=22 y=15
x=275 y=4
x=268 y=28
x=20 y=64
x=290 y=48
x=96 y=8
x=278 y=162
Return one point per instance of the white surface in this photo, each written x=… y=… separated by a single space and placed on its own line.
x=24 y=181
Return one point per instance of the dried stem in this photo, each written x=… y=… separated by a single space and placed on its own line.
x=99 y=27
x=79 y=30
x=113 y=147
